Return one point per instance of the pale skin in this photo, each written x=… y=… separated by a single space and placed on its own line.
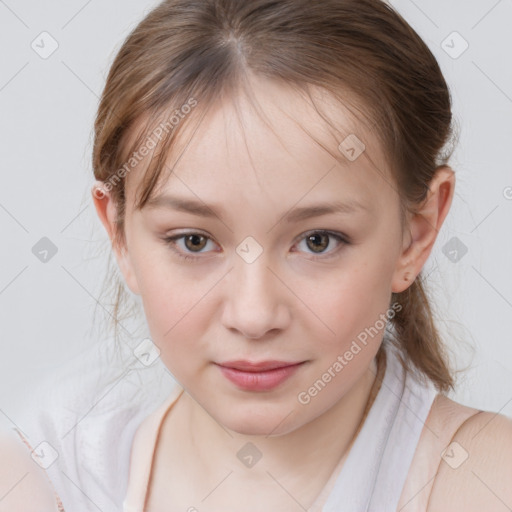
x=285 y=306
x=23 y=484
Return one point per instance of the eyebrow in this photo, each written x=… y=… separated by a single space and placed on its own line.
x=298 y=214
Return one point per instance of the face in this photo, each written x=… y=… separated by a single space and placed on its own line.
x=263 y=248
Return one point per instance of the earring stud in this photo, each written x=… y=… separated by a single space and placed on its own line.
x=98 y=192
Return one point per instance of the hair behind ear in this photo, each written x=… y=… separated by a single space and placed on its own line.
x=417 y=337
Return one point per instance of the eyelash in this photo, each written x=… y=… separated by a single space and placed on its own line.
x=341 y=239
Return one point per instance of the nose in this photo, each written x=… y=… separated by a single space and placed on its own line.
x=256 y=301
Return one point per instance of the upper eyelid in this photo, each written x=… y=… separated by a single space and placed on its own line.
x=323 y=231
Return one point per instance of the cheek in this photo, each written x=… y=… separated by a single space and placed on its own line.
x=176 y=320
x=351 y=304
x=171 y=296
x=173 y=308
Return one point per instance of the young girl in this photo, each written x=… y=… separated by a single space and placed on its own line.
x=272 y=177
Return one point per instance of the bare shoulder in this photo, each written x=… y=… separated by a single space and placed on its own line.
x=475 y=468
x=444 y=418
x=24 y=486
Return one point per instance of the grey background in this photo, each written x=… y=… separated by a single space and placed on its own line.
x=47 y=109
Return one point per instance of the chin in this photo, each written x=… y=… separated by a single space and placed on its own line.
x=253 y=422
x=253 y=428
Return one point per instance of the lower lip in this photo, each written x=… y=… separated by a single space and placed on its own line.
x=259 y=381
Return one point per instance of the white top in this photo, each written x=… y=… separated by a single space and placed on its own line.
x=374 y=472
x=88 y=412
x=94 y=435
x=376 y=469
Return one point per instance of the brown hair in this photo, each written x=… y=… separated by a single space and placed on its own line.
x=203 y=50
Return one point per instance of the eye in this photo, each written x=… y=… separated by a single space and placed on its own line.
x=191 y=243
x=185 y=245
x=319 y=241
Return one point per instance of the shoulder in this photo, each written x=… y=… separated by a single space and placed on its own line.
x=148 y=429
x=475 y=467
x=444 y=418
x=24 y=485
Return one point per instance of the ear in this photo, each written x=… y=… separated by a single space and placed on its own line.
x=107 y=212
x=423 y=228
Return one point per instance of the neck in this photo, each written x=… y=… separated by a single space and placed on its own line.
x=308 y=453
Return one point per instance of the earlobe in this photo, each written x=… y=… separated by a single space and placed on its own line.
x=423 y=228
x=107 y=213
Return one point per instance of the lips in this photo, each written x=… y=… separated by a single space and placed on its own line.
x=258 y=376
x=263 y=366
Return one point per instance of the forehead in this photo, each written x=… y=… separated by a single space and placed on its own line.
x=275 y=139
